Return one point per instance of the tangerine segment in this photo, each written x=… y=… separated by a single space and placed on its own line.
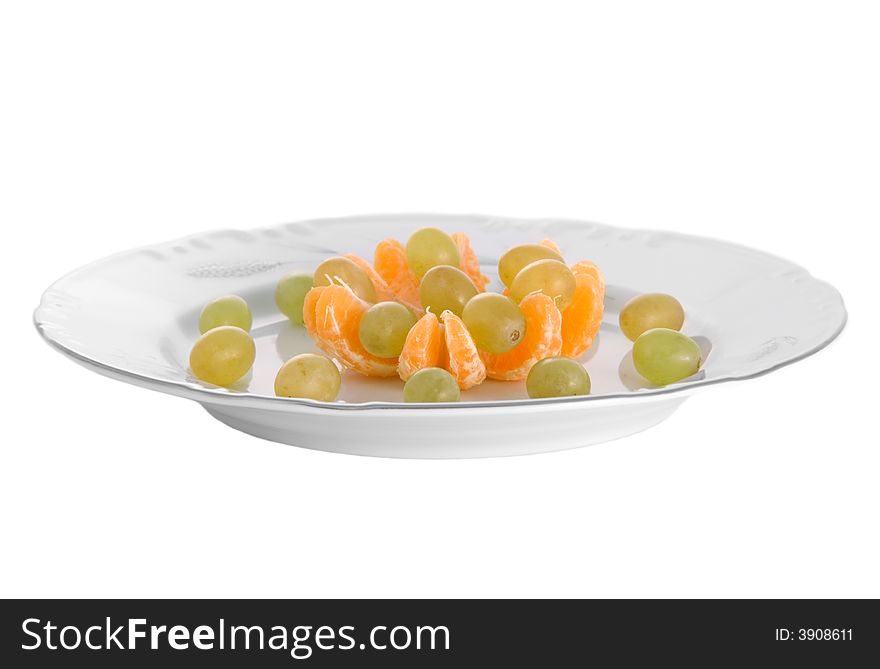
x=550 y=244
x=468 y=260
x=543 y=339
x=383 y=292
x=443 y=360
x=583 y=317
x=338 y=319
x=391 y=264
x=464 y=362
x=310 y=311
x=587 y=267
x=423 y=347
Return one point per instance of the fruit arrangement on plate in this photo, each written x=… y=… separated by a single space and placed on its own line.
x=422 y=311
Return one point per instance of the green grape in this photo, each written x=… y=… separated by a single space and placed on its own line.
x=444 y=287
x=665 y=356
x=222 y=355
x=551 y=277
x=516 y=258
x=309 y=375
x=226 y=310
x=334 y=270
x=557 y=377
x=291 y=293
x=431 y=384
x=384 y=327
x=495 y=322
x=429 y=247
x=649 y=311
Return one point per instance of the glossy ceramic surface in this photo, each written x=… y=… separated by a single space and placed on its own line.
x=133 y=317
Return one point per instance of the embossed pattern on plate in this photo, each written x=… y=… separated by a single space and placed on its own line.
x=133 y=317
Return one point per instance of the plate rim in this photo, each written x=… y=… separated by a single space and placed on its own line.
x=225 y=397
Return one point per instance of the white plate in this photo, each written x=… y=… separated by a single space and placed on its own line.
x=133 y=317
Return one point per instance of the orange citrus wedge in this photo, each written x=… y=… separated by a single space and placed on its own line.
x=310 y=311
x=391 y=264
x=383 y=292
x=464 y=362
x=583 y=317
x=443 y=360
x=338 y=313
x=424 y=347
x=550 y=244
x=587 y=267
x=543 y=339
x=468 y=260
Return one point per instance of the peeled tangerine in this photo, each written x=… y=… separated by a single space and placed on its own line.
x=582 y=318
x=391 y=264
x=543 y=339
x=550 y=244
x=445 y=343
x=393 y=269
x=464 y=362
x=425 y=347
x=332 y=316
x=384 y=293
x=310 y=311
x=468 y=260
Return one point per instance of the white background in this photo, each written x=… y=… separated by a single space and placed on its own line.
x=130 y=123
